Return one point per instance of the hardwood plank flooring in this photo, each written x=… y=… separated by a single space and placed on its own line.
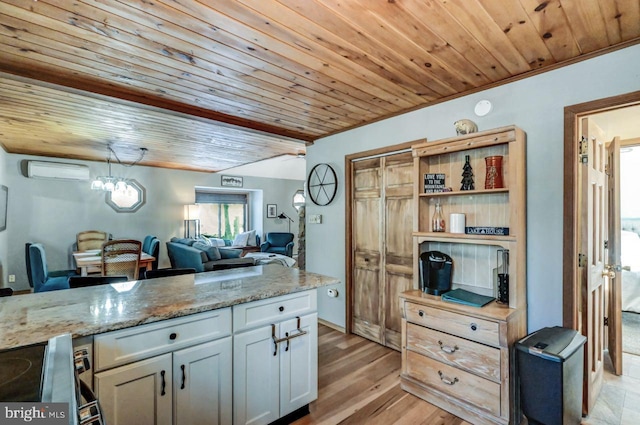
x=359 y=383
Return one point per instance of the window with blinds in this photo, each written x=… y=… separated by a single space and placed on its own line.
x=222 y=214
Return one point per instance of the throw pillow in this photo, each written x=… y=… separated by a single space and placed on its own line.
x=241 y=239
x=212 y=252
x=217 y=241
x=205 y=240
x=251 y=240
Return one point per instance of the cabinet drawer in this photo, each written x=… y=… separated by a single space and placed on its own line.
x=272 y=310
x=461 y=325
x=144 y=341
x=455 y=382
x=471 y=356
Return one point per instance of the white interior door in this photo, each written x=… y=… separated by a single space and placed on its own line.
x=614 y=254
x=593 y=234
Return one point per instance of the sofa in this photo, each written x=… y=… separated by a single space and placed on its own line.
x=198 y=255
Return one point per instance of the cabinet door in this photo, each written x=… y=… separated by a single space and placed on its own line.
x=202 y=383
x=298 y=364
x=256 y=391
x=139 y=393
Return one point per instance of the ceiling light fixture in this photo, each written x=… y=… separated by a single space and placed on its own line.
x=110 y=183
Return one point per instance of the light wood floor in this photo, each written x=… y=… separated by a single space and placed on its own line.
x=359 y=383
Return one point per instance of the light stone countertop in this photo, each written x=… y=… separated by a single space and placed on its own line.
x=34 y=318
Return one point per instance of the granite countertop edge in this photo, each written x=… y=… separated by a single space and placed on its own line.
x=34 y=318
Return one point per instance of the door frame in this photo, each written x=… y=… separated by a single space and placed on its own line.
x=348 y=223
x=570 y=248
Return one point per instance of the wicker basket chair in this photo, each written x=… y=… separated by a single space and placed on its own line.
x=121 y=258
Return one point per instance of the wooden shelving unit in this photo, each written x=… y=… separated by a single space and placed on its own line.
x=441 y=340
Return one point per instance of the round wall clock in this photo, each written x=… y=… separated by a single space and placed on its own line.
x=322 y=184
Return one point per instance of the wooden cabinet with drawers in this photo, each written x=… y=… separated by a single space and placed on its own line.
x=459 y=357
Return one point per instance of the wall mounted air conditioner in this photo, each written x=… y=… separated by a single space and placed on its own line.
x=57 y=170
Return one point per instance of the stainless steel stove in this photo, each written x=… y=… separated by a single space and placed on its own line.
x=48 y=373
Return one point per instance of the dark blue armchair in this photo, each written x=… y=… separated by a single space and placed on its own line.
x=40 y=277
x=278 y=243
x=151 y=245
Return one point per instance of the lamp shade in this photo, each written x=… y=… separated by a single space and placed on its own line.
x=192 y=212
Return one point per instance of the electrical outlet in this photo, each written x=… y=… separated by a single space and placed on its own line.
x=315 y=219
x=12 y=278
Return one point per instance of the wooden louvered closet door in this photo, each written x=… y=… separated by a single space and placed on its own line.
x=382 y=245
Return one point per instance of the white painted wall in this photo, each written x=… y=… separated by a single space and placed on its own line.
x=536 y=105
x=52 y=212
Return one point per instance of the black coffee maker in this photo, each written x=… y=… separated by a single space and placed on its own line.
x=435 y=272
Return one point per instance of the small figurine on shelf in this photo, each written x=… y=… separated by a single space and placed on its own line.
x=467 y=175
x=437 y=222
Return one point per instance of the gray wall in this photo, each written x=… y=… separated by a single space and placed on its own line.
x=52 y=212
x=536 y=105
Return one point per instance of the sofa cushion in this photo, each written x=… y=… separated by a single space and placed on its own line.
x=184 y=241
x=212 y=252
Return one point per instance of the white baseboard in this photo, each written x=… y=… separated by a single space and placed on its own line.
x=331 y=325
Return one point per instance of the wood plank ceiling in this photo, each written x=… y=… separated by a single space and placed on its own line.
x=210 y=84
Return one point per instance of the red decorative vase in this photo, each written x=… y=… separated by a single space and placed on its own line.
x=493 y=179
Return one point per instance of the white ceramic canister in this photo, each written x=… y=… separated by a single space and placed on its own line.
x=456 y=223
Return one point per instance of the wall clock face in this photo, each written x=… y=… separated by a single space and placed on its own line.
x=322 y=184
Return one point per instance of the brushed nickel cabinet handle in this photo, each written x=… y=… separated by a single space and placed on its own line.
x=448 y=349
x=446 y=380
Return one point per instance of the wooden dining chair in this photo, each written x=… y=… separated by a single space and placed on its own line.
x=121 y=257
x=91 y=239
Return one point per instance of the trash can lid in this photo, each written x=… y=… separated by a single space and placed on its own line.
x=556 y=343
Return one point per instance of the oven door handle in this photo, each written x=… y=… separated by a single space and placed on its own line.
x=90 y=412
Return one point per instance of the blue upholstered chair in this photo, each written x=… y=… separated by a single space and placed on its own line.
x=41 y=279
x=278 y=243
x=50 y=273
x=151 y=246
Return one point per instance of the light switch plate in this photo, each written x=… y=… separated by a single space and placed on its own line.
x=315 y=218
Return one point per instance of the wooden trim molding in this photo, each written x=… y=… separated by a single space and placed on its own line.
x=570 y=285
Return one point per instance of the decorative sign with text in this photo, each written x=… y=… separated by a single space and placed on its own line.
x=434 y=182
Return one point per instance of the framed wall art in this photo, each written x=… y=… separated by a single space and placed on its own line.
x=4 y=200
x=231 y=181
x=272 y=210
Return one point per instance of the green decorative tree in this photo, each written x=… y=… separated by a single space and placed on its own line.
x=467 y=175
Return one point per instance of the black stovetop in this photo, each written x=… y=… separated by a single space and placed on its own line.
x=21 y=373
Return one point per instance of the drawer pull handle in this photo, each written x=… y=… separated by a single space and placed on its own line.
x=164 y=384
x=287 y=337
x=474 y=327
x=448 y=349
x=281 y=308
x=447 y=380
x=420 y=313
x=184 y=377
x=173 y=336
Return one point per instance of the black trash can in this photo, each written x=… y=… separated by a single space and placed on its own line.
x=550 y=370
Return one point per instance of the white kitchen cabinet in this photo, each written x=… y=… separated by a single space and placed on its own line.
x=139 y=393
x=180 y=384
x=275 y=371
x=201 y=384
